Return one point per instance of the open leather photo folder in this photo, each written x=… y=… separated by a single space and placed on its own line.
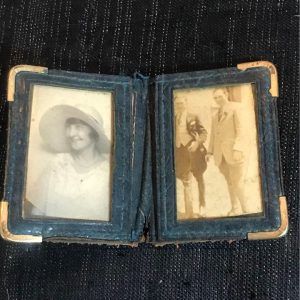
x=110 y=159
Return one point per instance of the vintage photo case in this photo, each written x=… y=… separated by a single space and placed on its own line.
x=74 y=161
x=218 y=165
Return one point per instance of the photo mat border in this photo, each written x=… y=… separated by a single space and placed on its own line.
x=169 y=229
x=129 y=103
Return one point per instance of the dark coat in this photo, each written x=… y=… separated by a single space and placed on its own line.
x=186 y=161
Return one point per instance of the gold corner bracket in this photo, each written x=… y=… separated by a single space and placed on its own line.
x=281 y=231
x=8 y=236
x=274 y=77
x=12 y=77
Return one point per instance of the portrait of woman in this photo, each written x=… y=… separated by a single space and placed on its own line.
x=75 y=184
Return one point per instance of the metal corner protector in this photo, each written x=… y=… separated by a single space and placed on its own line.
x=273 y=71
x=13 y=73
x=7 y=235
x=279 y=232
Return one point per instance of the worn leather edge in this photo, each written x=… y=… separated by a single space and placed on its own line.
x=83 y=241
x=13 y=73
x=273 y=71
x=280 y=231
x=263 y=235
x=7 y=235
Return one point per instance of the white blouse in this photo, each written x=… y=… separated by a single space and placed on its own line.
x=62 y=192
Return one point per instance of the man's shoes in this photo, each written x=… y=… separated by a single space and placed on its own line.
x=197 y=216
x=202 y=212
x=233 y=212
x=181 y=216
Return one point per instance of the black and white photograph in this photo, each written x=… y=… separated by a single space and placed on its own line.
x=216 y=152
x=69 y=154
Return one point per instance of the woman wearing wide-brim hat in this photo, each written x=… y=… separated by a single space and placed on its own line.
x=76 y=184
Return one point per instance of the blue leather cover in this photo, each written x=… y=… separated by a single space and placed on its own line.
x=143 y=188
x=168 y=229
x=130 y=104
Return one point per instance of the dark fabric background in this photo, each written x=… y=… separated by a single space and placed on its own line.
x=154 y=37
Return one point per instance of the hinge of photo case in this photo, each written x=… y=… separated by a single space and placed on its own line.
x=280 y=231
x=13 y=73
x=7 y=235
x=274 y=77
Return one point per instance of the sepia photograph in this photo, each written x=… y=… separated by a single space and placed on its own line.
x=69 y=154
x=216 y=152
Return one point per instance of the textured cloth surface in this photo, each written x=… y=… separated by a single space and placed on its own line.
x=154 y=37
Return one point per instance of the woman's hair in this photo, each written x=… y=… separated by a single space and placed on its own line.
x=93 y=133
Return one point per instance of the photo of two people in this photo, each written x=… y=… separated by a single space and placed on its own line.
x=216 y=157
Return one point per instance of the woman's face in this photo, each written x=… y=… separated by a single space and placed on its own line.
x=79 y=135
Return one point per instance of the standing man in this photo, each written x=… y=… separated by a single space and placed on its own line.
x=189 y=153
x=226 y=147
